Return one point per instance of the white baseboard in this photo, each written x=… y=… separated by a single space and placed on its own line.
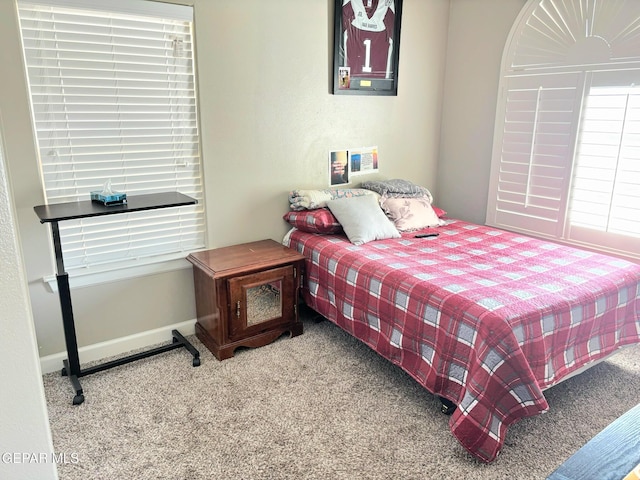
x=118 y=346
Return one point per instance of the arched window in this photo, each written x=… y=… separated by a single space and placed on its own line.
x=566 y=153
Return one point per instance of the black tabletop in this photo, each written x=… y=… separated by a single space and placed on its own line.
x=88 y=208
x=611 y=454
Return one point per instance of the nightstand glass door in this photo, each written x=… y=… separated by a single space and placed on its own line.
x=256 y=300
x=264 y=302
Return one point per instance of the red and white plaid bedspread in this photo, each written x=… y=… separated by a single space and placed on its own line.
x=483 y=317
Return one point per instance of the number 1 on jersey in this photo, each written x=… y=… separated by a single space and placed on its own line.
x=366 y=68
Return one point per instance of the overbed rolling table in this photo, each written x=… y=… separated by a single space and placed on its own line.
x=55 y=213
x=610 y=455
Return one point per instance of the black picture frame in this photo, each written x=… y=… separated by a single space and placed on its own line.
x=369 y=32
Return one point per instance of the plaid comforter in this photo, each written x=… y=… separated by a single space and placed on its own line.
x=483 y=317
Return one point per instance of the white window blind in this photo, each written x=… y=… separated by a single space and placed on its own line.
x=113 y=98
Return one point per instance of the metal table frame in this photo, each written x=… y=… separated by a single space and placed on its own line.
x=55 y=213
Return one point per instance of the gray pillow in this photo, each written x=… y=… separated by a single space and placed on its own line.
x=397 y=188
x=362 y=219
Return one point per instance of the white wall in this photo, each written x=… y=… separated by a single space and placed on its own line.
x=24 y=423
x=268 y=121
x=478 y=30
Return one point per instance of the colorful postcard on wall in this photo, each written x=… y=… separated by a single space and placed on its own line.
x=338 y=167
x=363 y=160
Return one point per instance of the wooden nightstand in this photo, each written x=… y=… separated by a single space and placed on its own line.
x=246 y=295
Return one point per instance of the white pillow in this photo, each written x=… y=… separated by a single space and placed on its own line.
x=362 y=219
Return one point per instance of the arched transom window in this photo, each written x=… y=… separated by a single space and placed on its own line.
x=566 y=154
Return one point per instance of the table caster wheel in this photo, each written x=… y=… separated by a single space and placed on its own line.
x=78 y=399
x=196 y=362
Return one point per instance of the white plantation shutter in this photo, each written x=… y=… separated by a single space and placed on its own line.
x=113 y=99
x=605 y=197
x=566 y=151
x=534 y=157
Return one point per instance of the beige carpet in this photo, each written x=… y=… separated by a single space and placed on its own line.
x=317 y=406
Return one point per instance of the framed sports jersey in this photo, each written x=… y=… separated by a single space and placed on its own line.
x=366 y=47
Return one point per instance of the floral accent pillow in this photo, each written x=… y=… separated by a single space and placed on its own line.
x=320 y=220
x=410 y=214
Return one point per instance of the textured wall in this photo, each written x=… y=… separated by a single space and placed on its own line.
x=474 y=55
x=24 y=423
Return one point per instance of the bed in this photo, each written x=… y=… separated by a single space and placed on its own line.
x=482 y=317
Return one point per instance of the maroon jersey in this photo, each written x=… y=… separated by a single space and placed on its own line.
x=368 y=37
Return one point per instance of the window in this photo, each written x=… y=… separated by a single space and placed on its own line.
x=605 y=195
x=113 y=99
x=566 y=155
